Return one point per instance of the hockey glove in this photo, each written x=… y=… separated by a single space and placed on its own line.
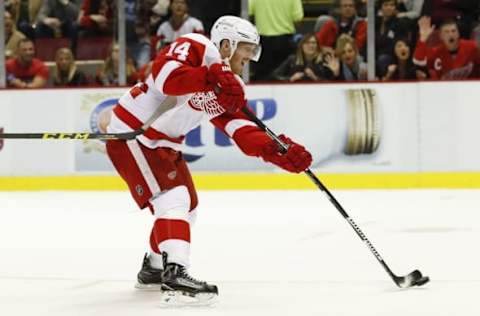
x=296 y=159
x=230 y=94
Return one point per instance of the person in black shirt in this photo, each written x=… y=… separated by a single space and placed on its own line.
x=307 y=64
x=66 y=72
x=388 y=28
x=402 y=67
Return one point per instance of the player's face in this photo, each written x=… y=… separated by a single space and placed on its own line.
x=389 y=9
x=242 y=56
x=450 y=36
x=402 y=51
x=26 y=52
x=347 y=8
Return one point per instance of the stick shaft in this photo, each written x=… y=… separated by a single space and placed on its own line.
x=166 y=105
x=323 y=188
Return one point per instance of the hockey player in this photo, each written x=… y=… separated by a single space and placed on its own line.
x=454 y=58
x=191 y=70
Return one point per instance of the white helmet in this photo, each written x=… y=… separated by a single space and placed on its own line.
x=235 y=30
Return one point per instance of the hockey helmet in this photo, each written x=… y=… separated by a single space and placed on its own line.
x=235 y=30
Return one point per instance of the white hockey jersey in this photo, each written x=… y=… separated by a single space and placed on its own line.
x=180 y=70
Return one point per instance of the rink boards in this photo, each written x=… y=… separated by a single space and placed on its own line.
x=404 y=135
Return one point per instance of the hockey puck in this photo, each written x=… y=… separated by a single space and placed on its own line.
x=422 y=281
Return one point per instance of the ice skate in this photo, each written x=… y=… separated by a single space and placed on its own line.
x=180 y=289
x=149 y=278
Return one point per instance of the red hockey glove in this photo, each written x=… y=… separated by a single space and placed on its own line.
x=296 y=159
x=229 y=91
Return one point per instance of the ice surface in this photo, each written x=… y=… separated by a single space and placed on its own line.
x=270 y=252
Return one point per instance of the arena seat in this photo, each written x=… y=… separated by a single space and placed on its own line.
x=89 y=48
x=45 y=48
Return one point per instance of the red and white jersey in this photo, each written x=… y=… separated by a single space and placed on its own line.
x=442 y=64
x=168 y=34
x=180 y=70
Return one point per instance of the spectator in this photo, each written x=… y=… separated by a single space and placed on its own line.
x=275 y=21
x=307 y=64
x=464 y=12
x=347 y=22
x=402 y=67
x=67 y=74
x=156 y=12
x=180 y=23
x=12 y=36
x=411 y=9
x=96 y=18
x=108 y=73
x=454 y=58
x=352 y=67
x=25 y=71
x=24 y=13
x=388 y=28
x=140 y=48
x=57 y=18
x=137 y=30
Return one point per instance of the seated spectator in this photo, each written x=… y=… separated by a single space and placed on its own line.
x=24 y=13
x=411 y=9
x=347 y=22
x=96 y=18
x=402 y=67
x=66 y=73
x=137 y=32
x=57 y=18
x=108 y=73
x=180 y=23
x=306 y=65
x=25 y=71
x=140 y=48
x=12 y=36
x=454 y=58
x=388 y=28
x=352 y=66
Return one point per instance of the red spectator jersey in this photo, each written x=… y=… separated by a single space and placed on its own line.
x=442 y=64
x=327 y=35
x=180 y=70
x=36 y=68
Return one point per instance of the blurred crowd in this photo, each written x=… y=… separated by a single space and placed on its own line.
x=73 y=42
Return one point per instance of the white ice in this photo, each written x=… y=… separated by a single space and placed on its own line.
x=270 y=253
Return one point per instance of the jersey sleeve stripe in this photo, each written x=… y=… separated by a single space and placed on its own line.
x=166 y=70
x=127 y=117
x=153 y=134
x=232 y=126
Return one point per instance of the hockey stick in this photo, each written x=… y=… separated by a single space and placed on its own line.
x=166 y=105
x=414 y=278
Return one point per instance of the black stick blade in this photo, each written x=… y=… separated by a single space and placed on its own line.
x=414 y=278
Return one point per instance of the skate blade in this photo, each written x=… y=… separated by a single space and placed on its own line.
x=148 y=287
x=181 y=299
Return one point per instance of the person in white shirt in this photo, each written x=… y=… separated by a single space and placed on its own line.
x=180 y=23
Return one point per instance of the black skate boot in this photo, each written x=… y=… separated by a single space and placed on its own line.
x=180 y=289
x=149 y=278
